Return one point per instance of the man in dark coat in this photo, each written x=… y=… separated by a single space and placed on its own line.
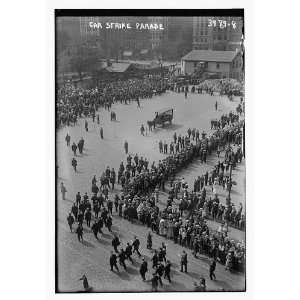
x=128 y=252
x=68 y=138
x=109 y=223
x=88 y=217
x=126 y=147
x=136 y=245
x=144 y=269
x=100 y=225
x=95 y=229
x=212 y=268
x=78 y=198
x=168 y=270
x=109 y=206
x=154 y=259
x=101 y=133
x=70 y=220
x=183 y=261
x=113 y=261
x=74 y=210
x=160 y=272
x=122 y=258
x=74 y=148
x=80 y=217
x=79 y=232
x=115 y=243
x=113 y=178
x=74 y=164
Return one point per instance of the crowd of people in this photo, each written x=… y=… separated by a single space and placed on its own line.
x=225 y=86
x=184 y=224
x=74 y=102
x=141 y=184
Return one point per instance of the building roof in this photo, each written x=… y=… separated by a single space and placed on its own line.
x=210 y=55
x=118 y=67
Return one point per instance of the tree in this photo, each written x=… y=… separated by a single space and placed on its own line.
x=85 y=59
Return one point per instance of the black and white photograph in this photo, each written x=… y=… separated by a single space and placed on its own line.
x=150 y=160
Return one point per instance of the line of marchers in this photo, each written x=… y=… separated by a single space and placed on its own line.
x=139 y=26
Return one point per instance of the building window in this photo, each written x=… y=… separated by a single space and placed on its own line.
x=195 y=65
x=218 y=66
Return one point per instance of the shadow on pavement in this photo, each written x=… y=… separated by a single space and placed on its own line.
x=88 y=244
x=106 y=236
x=103 y=242
x=123 y=275
x=193 y=274
x=173 y=286
x=132 y=271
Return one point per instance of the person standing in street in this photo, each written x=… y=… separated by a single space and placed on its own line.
x=149 y=241
x=143 y=269
x=136 y=245
x=183 y=262
x=101 y=133
x=71 y=221
x=212 y=268
x=126 y=147
x=79 y=232
x=113 y=261
x=63 y=191
x=128 y=251
x=216 y=105
x=68 y=139
x=95 y=229
x=160 y=272
x=74 y=164
x=74 y=148
x=115 y=243
x=122 y=258
x=88 y=217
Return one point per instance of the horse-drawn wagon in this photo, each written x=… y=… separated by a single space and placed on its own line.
x=161 y=117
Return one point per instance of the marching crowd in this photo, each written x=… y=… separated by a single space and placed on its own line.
x=74 y=103
x=141 y=182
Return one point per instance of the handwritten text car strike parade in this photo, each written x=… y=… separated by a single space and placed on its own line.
x=138 y=26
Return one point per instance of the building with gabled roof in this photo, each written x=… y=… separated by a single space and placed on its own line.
x=221 y=64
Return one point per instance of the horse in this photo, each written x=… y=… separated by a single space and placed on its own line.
x=151 y=124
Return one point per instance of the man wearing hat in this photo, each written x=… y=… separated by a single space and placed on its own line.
x=113 y=261
x=183 y=261
x=136 y=245
x=88 y=217
x=79 y=232
x=143 y=269
x=122 y=258
x=70 y=220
